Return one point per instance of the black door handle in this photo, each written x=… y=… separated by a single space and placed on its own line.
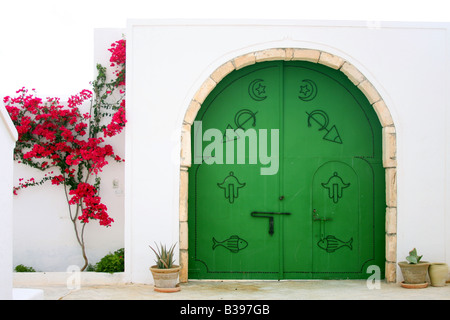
x=269 y=215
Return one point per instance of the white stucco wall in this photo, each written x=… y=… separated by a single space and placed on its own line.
x=8 y=137
x=43 y=233
x=167 y=62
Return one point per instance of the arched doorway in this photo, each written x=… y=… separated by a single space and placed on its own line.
x=313 y=214
x=291 y=183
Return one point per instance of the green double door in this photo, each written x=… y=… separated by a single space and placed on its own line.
x=287 y=179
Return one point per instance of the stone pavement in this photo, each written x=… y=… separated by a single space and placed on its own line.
x=249 y=290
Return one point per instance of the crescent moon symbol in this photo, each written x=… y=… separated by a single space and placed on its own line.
x=253 y=90
x=308 y=91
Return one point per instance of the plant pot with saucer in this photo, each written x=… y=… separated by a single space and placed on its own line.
x=165 y=272
x=414 y=271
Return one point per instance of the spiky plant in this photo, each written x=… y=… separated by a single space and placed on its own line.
x=164 y=257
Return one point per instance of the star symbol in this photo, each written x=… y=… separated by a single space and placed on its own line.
x=304 y=90
x=261 y=89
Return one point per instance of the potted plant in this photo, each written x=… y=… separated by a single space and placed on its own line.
x=414 y=271
x=165 y=272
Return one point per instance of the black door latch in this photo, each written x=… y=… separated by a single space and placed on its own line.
x=269 y=215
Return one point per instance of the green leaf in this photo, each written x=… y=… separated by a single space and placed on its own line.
x=412 y=259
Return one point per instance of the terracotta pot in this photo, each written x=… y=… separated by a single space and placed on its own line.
x=414 y=273
x=438 y=274
x=166 y=280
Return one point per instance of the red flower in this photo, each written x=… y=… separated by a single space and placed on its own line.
x=52 y=133
x=58 y=180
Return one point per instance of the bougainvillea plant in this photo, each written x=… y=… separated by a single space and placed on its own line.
x=69 y=144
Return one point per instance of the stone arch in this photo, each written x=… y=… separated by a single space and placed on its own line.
x=311 y=55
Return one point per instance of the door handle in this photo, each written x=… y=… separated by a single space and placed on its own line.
x=317 y=218
x=269 y=215
x=322 y=223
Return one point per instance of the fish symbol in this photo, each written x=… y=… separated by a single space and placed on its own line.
x=233 y=243
x=331 y=244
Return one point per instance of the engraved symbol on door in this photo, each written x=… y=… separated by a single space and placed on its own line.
x=335 y=186
x=257 y=90
x=308 y=90
x=233 y=243
x=243 y=119
x=330 y=244
x=321 y=118
x=231 y=186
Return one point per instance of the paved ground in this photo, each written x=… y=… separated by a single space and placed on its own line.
x=250 y=290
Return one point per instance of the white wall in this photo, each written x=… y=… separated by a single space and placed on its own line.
x=43 y=234
x=8 y=137
x=169 y=60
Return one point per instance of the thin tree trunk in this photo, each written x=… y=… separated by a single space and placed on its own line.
x=80 y=237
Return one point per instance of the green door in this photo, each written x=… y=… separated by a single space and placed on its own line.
x=287 y=179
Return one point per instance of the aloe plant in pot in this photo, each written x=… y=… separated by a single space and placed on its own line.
x=165 y=272
x=414 y=271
